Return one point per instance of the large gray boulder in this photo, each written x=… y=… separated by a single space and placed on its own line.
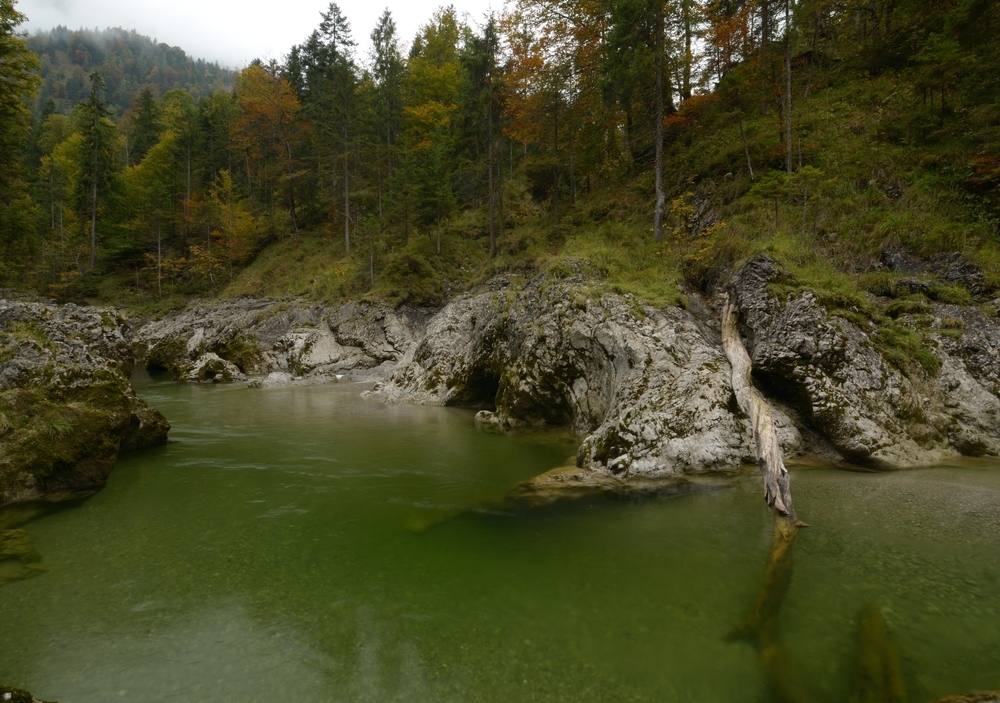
x=66 y=406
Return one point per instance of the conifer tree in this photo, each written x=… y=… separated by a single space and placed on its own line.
x=18 y=83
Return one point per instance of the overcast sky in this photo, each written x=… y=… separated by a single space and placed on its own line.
x=234 y=32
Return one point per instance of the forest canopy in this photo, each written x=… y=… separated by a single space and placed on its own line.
x=485 y=145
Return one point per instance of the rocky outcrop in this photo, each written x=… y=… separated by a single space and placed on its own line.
x=66 y=406
x=210 y=368
x=874 y=414
x=647 y=389
x=361 y=340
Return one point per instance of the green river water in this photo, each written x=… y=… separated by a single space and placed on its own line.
x=306 y=545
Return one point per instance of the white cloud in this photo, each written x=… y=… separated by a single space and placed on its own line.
x=234 y=32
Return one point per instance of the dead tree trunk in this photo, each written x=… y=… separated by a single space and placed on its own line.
x=777 y=491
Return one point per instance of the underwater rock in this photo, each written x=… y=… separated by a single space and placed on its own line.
x=18 y=695
x=18 y=557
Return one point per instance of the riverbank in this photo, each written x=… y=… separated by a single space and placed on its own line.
x=910 y=378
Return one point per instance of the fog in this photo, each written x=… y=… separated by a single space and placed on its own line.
x=234 y=32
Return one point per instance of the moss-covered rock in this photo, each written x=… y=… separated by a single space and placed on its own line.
x=66 y=405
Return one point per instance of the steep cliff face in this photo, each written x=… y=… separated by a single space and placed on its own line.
x=66 y=406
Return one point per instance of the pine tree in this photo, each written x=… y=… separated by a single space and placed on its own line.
x=99 y=141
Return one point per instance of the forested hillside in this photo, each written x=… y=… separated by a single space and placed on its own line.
x=643 y=142
x=127 y=62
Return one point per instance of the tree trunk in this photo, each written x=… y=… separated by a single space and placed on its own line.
x=159 y=262
x=555 y=168
x=777 y=492
x=500 y=197
x=765 y=36
x=93 y=225
x=347 y=200
x=660 y=197
x=688 y=59
x=208 y=243
x=489 y=163
x=788 y=87
x=572 y=161
x=187 y=199
x=746 y=149
x=761 y=627
x=378 y=161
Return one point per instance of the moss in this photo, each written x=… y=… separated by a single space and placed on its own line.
x=61 y=438
x=27 y=331
x=902 y=346
x=953 y=295
x=167 y=355
x=240 y=350
x=910 y=305
x=879 y=283
x=856 y=318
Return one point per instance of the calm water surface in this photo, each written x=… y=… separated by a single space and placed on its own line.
x=306 y=545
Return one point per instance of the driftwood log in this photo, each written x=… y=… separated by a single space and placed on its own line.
x=777 y=491
x=761 y=627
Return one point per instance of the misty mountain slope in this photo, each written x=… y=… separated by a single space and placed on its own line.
x=126 y=60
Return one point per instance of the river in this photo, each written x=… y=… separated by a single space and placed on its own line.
x=304 y=544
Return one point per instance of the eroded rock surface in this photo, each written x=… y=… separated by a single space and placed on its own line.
x=648 y=389
x=310 y=342
x=210 y=368
x=66 y=406
x=828 y=369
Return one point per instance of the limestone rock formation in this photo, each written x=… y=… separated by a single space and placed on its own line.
x=211 y=368
x=647 y=389
x=66 y=405
x=263 y=336
x=829 y=370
